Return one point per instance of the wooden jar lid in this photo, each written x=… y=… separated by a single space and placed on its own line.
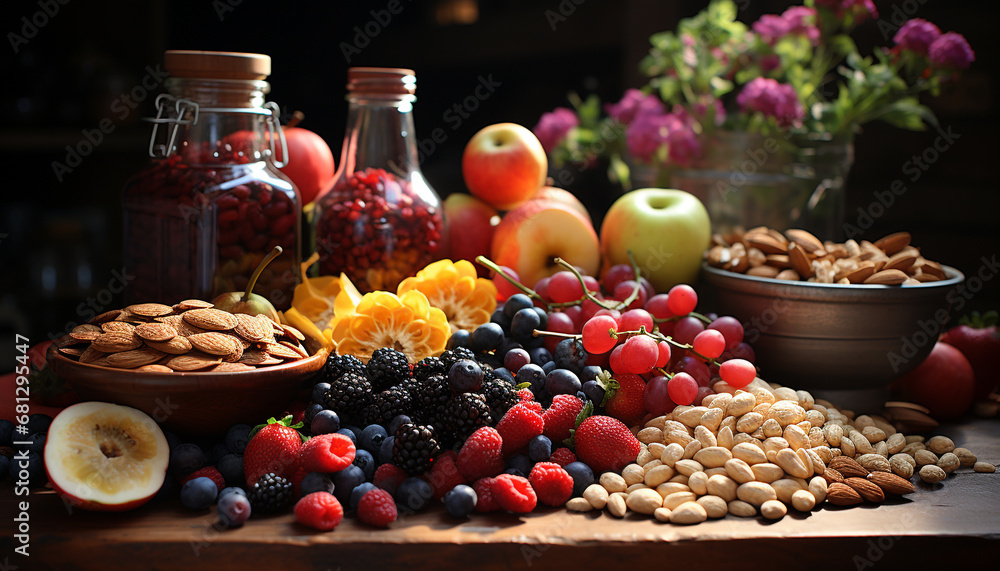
x=381 y=80
x=217 y=65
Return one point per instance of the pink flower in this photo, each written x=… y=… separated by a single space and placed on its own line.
x=648 y=133
x=700 y=109
x=771 y=28
x=553 y=127
x=770 y=62
x=682 y=143
x=633 y=104
x=773 y=99
x=951 y=50
x=802 y=21
x=917 y=35
x=860 y=9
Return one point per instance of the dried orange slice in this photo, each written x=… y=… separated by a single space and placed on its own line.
x=466 y=300
x=314 y=297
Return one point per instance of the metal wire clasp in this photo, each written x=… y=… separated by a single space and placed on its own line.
x=181 y=108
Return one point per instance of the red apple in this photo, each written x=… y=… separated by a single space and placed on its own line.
x=530 y=237
x=310 y=162
x=944 y=383
x=105 y=457
x=563 y=196
x=504 y=164
x=978 y=339
x=469 y=228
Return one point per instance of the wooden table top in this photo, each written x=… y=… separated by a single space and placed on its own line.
x=955 y=523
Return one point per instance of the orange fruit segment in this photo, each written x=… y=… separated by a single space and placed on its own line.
x=453 y=287
x=314 y=297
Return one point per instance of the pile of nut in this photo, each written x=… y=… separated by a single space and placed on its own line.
x=189 y=336
x=798 y=255
x=763 y=450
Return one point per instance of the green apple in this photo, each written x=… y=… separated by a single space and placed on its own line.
x=666 y=230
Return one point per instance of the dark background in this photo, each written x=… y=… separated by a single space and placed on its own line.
x=61 y=241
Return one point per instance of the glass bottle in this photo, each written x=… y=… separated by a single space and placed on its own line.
x=381 y=221
x=212 y=204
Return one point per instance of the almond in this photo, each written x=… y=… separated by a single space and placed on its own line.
x=156 y=331
x=72 y=351
x=86 y=332
x=780 y=261
x=134 y=358
x=231 y=368
x=766 y=243
x=900 y=261
x=211 y=319
x=192 y=304
x=117 y=326
x=282 y=351
x=150 y=309
x=804 y=239
x=175 y=346
x=183 y=328
x=861 y=273
x=193 y=361
x=256 y=357
x=799 y=260
x=848 y=467
x=155 y=369
x=106 y=316
x=840 y=494
x=763 y=271
x=788 y=275
x=832 y=476
x=116 y=341
x=892 y=484
x=252 y=328
x=886 y=277
x=90 y=355
x=893 y=242
x=866 y=489
x=293 y=332
x=215 y=343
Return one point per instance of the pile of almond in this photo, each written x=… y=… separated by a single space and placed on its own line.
x=764 y=450
x=798 y=255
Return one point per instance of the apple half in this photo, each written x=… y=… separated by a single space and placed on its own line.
x=105 y=457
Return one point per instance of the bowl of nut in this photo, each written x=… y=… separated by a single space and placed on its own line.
x=842 y=320
x=192 y=367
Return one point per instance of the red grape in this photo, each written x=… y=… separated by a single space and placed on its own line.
x=505 y=289
x=576 y=314
x=593 y=286
x=597 y=360
x=639 y=354
x=588 y=308
x=647 y=287
x=697 y=369
x=702 y=393
x=744 y=351
x=558 y=322
x=709 y=343
x=635 y=318
x=657 y=306
x=542 y=288
x=515 y=359
x=731 y=329
x=656 y=399
x=686 y=329
x=564 y=287
x=615 y=360
x=614 y=313
x=615 y=275
x=682 y=389
x=595 y=333
x=664 y=358
x=682 y=299
x=624 y=289
x=737 y=373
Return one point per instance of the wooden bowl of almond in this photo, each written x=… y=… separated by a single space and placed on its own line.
x=192 y=367
x=840 y=319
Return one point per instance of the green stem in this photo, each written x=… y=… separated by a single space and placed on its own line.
x=484 y=261
x=260 y=268
x=542 y=333
x=583 y=284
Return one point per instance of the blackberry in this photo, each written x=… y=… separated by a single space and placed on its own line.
x=387 y=367
x=500 y=395
x=429 y=366
x=386 y=405
x=430 y=402
x=270 y=494
x=452 y=356
x=467 y=412
x=348 y=396
x=414 y=448
x=337 y=365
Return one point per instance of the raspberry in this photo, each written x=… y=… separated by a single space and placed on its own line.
x=210 y=472
x=553 y=485
x=533 y=405
x=485 y=501
x=518 y=427
x=388 y=477
x=326 y=453
x=296 y=480
x=481 y=456
x=560 y=417
x=562 y=456
x=377 y=508
x=444 y=474
x=514 y=493
x=525 y=395
x=319 y=510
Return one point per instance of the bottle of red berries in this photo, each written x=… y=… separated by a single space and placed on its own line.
x=212 y=204
x=380 y=222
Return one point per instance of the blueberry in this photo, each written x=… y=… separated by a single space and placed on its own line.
x=319 y=392
x=516 y=303
x=498 y=318
x=346 y=480
x=515 y=472
x=6 y=432
x=231 y=490
x=465 y=376
x=493 y=360
x=237 y=438
x=582 y=476
x=384 y=455
x=594 y=391
x=36 y=443
x=400 y=420
x=534 y=343
x=524 y=323
x=589 y=373
x=218 y=451
x=540 y=355
x=562 y=382
x=459 y=338
x=364 y=460
x=460 y=501
x=540 y=448
x=511 y=345
x=316 y=482
x=504 y=374
x=325 y=422
x=413 y=494
x=39 y=422
x=199 y=493
x=549 y=367
x=520 y=462
x=487 y=337
x=571 y=355
x=186 y=458
x=533 y=374
x=311 y=411
x=4 y=467
x=234 y=510
x=542 y=316
x=358 y=492
x=355 y=429
x=350 y=434
x=231 y=468
x=372 y=437
x=581 y=396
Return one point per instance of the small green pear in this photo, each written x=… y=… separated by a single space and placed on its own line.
x=248 y=302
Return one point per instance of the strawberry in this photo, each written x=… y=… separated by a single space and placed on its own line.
x=481 y=456
x=605 y=444
x=519 y=426
x=560 y=417
x=274 y=448
x=626 y=404
x=978 y=338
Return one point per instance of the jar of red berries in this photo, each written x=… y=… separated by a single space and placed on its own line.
x=212 y=204
x=381 y=221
